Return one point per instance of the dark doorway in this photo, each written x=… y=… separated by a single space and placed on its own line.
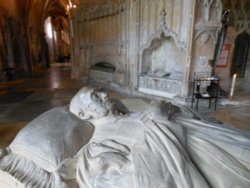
x=240 y=55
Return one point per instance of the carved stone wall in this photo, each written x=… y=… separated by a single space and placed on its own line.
x=162 y=47
x=207 y=23
x=101 y=38
x=154 y=45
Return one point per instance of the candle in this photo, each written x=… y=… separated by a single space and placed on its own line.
x=233 y=85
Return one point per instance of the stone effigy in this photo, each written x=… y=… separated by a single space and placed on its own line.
x=97 y=143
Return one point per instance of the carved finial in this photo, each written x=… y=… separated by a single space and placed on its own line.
x=163 y=16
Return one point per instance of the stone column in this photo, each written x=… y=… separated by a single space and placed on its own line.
x=74 y=56
x=191 y=4
x=133 y=42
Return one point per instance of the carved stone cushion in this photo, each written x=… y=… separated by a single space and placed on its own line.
x=51 y=138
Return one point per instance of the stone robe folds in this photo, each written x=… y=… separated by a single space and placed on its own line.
x=160 y=148
x=149 y=151
x=37 y=156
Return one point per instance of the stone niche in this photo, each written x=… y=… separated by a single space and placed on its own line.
x=102 y=72
x=162 y=68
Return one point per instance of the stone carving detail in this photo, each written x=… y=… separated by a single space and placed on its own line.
x=106 y=9
x=166 y=31
x=208 y=6
x=96 y=142
x=240 y=14
x=205 y=34
x=161 y=84
x=243 y=25
x=159 y=2
x=163 y=30
x=163 y=17
x=158 y=63
x=240 y=9
x=208 y=19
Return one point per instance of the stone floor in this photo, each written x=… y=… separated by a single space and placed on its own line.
x=23 y=99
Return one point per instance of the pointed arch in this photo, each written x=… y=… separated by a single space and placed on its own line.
x=241 y=50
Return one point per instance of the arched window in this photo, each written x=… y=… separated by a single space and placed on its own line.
x=240 y=55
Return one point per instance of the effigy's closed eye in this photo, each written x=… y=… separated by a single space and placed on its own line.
x=99 y=95
x=95 y=96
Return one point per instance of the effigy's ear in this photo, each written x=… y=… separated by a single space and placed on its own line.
x=83 y=115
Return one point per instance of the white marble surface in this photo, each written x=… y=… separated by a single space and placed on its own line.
x=164 y=146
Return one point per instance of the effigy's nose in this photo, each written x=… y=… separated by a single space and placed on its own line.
x=104 y=96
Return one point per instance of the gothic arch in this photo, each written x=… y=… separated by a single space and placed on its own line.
x=163 y=30
x=240 y=55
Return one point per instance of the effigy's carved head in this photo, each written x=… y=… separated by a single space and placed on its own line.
x=91 y=102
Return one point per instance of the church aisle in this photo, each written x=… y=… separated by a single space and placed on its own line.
x=22 y=100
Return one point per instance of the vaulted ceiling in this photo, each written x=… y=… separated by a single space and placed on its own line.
x=240 y=8
x=44 y=8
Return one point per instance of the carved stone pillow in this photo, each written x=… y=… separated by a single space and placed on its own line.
x=51 y=138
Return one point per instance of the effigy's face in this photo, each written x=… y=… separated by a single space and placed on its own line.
x=91 y=102
x=98 y=104
x=99 y=96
